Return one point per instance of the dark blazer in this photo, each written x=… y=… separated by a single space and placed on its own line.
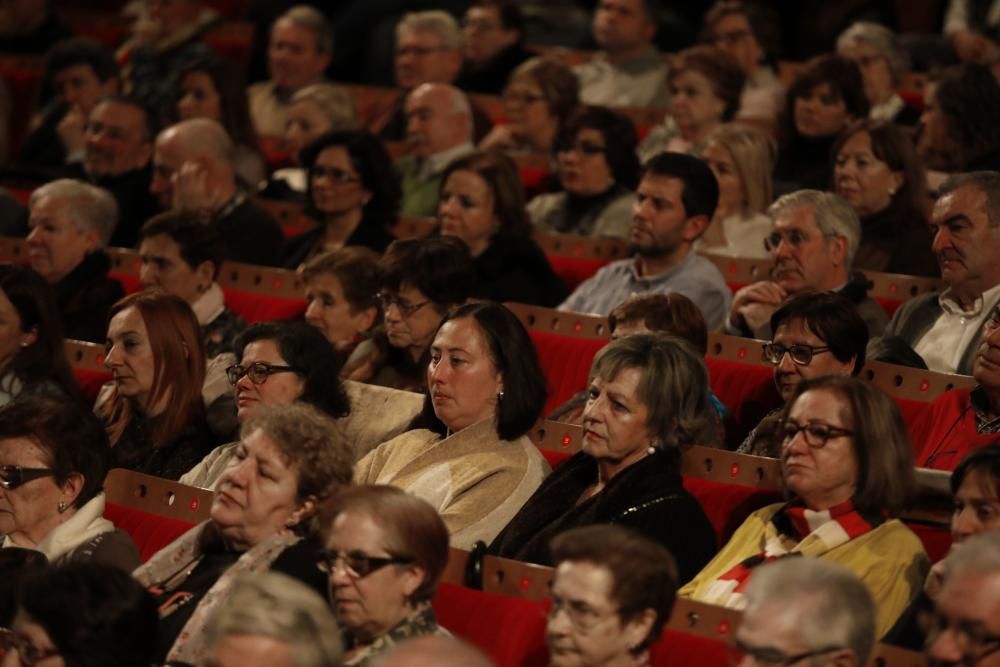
x=85 y=296
x=516 y=269
x=298 y=249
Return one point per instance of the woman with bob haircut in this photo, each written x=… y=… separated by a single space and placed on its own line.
x=384 y=553
x=153 y=408
x=353 y=193
x=485 y=390
x=636 y=577
x=647 y=403
x=598 y=171
x=482 y=203
x=881 y=59
x=848 y=471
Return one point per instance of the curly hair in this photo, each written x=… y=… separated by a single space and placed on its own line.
x=620 y=140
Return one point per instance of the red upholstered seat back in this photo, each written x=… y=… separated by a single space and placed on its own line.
x=565 y=362
x=728 y=505
x=680 y=649
x=254 y=307
x=574 y=270
x=150 y=532
x=936 y=539
x=747 y=390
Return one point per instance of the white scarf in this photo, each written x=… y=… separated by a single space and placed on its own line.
x=84 y=525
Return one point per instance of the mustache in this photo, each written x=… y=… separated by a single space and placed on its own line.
x=949 y=254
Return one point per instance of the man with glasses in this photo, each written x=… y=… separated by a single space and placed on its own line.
x=493 y=45
x=804 y=611
x=813 y=240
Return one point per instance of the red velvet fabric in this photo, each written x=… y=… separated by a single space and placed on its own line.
x=149 y=531
x=565 y=362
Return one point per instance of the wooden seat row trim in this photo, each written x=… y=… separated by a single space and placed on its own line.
x=158 y=496
x=85 y=356
x=581 y=247
x=913 y=384
x=560 y=322
x=720 y=465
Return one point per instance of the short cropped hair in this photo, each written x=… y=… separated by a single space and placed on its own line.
x=620 y=140
x=89 y=207
x=198 y=240
x=833 y=319
x=643 y=572
x=355 y=268
x=334 y=103
x=844 y=79
x=880 y=38
x=984 y=460
x=670 y=313
x=987 y=182
x=86 y=51
x=439 y=23
x=313 y=20
x=719 y=68
x=559 y=86
x=833 y=215
x=701 y=191
x=440 y=267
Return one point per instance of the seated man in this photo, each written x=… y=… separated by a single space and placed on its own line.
x=493 y=32
x=945 y=327
x=438 y=130
x=676 y=199
x=628 y=71
x=806 y=608
x=298 y=54
x=814 y=334
x=194 y=170
x=814 y=238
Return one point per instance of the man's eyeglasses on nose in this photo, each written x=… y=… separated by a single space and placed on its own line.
x=258 y=372
x=815 y=433
x=793 y=237
x=356 y=565
x=406 y=309
x=12 y=477
x=801 y=354
x=971 y=638
x=768 y=656
x=334 y=174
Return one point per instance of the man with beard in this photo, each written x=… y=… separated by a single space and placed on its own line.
x=813 y=240
x=945 y=327
x=438 y=130
x=675 y=201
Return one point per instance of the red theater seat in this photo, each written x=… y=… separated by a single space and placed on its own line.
x=740 y=271
x=892 y=289
x=695 y=636
x=576 y=258
x=87 y=362
x=262 y=294
x=743 y=382
x=150 y=532
x=556 y=441
x=936 y=539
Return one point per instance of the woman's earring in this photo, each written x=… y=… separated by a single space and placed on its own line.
x=652 y=449
x=61 y=506
x=500 y=396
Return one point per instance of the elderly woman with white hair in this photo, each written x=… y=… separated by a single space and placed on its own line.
x=71 y=222
x=875 y=51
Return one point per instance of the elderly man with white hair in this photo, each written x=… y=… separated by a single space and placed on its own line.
x=71 y=222
x=193 y=169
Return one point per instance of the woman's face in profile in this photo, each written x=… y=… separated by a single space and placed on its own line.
x=466 y=210
x=462 y=380
x=29 y=512
x=820 y=112
x=276 y=389
x=12 y=337
x=336 y=184
x=583 y=164
x=615 y=419
x=865 y=181
x=129 y=356
x=199 y=98
x=306 y=123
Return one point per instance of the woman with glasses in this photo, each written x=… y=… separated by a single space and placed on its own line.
x=876 y=52
x=384 y=553
x=353 y=193
x=153 y=408
x=279 y=363
x=848 y=471
x=598 y=172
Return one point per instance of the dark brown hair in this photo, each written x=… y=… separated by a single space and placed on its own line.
x=357 y=270
x=721 y=70
x=671 y=313
x=502 y=176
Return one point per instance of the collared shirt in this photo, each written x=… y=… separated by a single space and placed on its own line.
x=436 y=164
x=987 y=421
x=945 y=342
x=638 y=82
x=695 y=277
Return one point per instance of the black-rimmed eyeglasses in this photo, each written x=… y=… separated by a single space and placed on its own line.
x=258 y=372
x=815 y=433
x=768 y=656
x=800 y=353
x=406 y=309
x=12 y=477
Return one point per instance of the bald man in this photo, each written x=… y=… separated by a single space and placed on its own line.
x=193 y=169
x=438 y=130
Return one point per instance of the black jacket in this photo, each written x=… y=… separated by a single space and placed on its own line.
x=516 y=269
x=85 y=296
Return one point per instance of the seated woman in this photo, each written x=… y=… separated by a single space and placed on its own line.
x=848 y=469
x=827 y=95
x=422 y=279
x=705 y=87
x=279 y=363
x=473 y=460
x=648 y=402
x=876 y=169
x=742 y=159
x=289 y=461
x=881 y=59
x=539 y=97
x=153 y=409
x=598 y=171
x=54 y=456
x=482 y=203
x=368 y=529
x=637 y=579
x=342 y=290
x=85 y=614
x=33 y=361
x=353 y=193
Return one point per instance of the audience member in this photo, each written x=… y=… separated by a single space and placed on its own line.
x=609 y=605
x=881 y=60
x=289 y=461
x=80 y=71
x=181 y=253
x=877 y=171
x=482 y=203
x=676 y=198
x=153 y=409
x=195 y=169
x=598 y=172
x=945 y=327
x=71 y=223
x=272 y=620
x=628 y=71
x=485 y=390
x=298 y=54
x=815 y=334
x=352 y=191
x=492 y=45
x=438 y=130
x=705 y=86
x=434 y=651
x=384 y=553
x=849 y=471
x=815 y=236
x=30 y=27
x=742 y=159
x=971 y=30
x=647 y=402
x=806 y=609
x=55 y=456
x=957 y=128
x=826 y=96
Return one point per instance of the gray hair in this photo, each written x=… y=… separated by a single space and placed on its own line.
x=976 y=555
x=881 y=39
x=833 y=215
x=434 y=21
x=832 y=607
x=274 y=605
x=335 y=103
x=987 y=182
x=90 y=207
x=312 y=20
